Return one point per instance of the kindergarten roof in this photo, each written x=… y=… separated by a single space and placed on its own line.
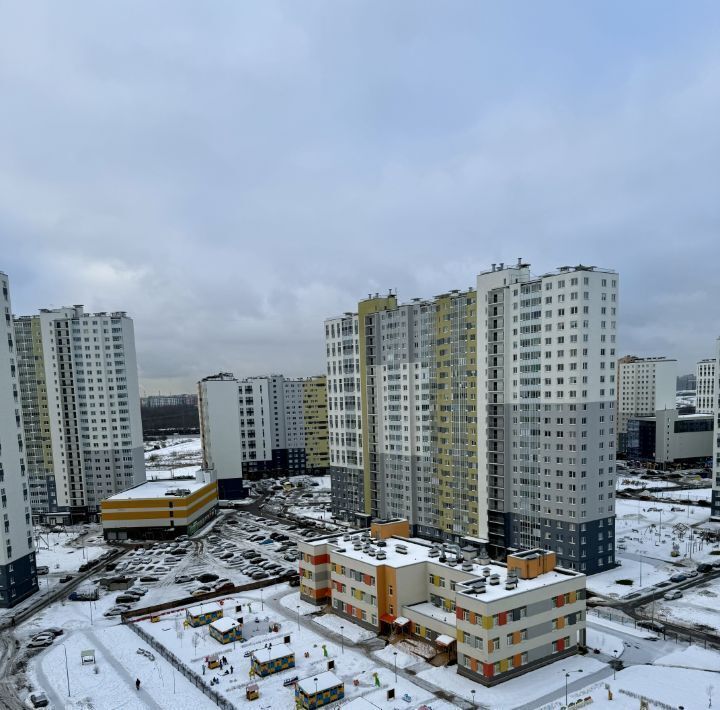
x=325 y=681
x=224 y=624
x=200 y=609
x=265 y=655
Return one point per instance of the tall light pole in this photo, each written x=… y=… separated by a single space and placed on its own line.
x=395 y=656
x=298 y=611
x=342 y=639
x=567 y=675
x=67 y=672
x=615 y=655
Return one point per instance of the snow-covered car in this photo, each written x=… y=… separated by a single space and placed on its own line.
x=116 y=610
x=41 y=641
x=38 y=700
x=692 y=573
x=675 y=594
x=183 y=578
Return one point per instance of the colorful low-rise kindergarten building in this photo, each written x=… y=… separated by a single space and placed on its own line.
x=497 y=619
x=272 y=659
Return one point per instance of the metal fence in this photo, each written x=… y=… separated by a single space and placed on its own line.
x=667 y=633
x=175 y=662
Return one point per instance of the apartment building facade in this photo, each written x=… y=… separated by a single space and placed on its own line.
x=486 y=414
x=262 y=426
x=705 y=386
x=497 y=620
x=401 y=405
x=81 y=409
x=546 y=412
x=715 y=504
x=645 y=385
x=18 y=574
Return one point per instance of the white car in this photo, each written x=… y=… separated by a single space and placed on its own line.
x=675 y=594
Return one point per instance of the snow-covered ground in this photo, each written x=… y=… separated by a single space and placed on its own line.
x=698 y=606
x=66 y=551
x=606 y=643
x=519 y=691
x=181 y=456
x=350 y=631
x=312 y=650
x=645 y=533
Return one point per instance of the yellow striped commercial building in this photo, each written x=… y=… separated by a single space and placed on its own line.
x=159 y=509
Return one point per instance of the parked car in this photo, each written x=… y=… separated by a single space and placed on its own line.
x=126 y=598
x=692 y=573
x=183 y=578
x=116 y=610
x=651 y=626
x=43 y=569
x=65 y=579
x=39 y=700
x=41 y=641
x=674 y=594
x=704 y=568
x=678 y=578
x=632 y=595
x=294 y=581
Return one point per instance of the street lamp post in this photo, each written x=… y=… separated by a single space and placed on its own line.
x=472 y=692
x=395 y=656
x=342 y=639
x=298 y=611
x=567 y=675
x=67 y=672
x=262 y=603
x=615 y=655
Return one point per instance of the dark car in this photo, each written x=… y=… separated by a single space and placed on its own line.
x=678 y=578
x=704 y=567
x=294 y=581
x=66 y=578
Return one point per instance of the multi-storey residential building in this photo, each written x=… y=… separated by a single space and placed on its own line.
x=645 y=385
x=705 y=386
x=485 y=414
x=546 y=412
x=401 y=406
x=716 y=437
x=686 y=383
x=262 y=426
x=169 y=400
x=498 y=620
x=81 y=407
x=18 y=576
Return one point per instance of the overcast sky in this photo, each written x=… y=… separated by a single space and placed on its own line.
x=232 y=173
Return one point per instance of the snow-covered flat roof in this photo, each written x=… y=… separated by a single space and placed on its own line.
x=325 y=681
x=207 y=608
x=401 y=552
x=158 y=489
x=224 y=624
x=433 y=612
x=265 y=655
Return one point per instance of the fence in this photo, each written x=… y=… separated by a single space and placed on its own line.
x=667 y=633
x=176 y=663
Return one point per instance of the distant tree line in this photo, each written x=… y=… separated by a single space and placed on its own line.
x=174 y=419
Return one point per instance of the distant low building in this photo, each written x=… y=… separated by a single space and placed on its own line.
x=160 y=509
x=670 y=437
x=169 y=400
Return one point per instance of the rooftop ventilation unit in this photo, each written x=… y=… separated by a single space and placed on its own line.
x=467 y=566
x=357 y=546
x=433 y=552
x=483 y=557
x=486 y=571
x=347 y=536
x=494 y=578
x=381 y=555
x=371 y=552
x=511 y=583
x=402 y=549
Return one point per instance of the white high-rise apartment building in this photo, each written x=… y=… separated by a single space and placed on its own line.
x=261 y=426
x=81 y=407
x=716 y=436
x=18 y=576
x=645 y=385
x=705 y=386
x=546 y=412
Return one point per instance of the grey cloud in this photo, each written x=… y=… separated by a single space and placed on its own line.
x=233 y=173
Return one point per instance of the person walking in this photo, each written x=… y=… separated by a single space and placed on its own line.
x=137 y=683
